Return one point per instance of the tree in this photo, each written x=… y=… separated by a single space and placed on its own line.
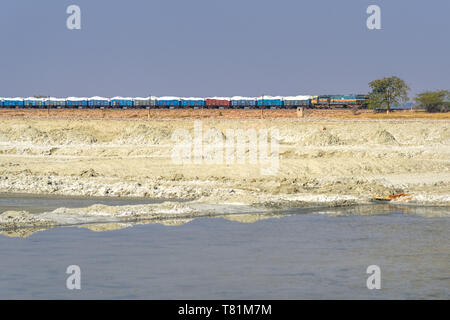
x=387 y=92
x=434 y=101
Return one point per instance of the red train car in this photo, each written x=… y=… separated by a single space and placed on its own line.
x=218 y=102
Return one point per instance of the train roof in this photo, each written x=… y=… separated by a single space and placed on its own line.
x=121 y=98
x=77 y=98
x=98 y=98
x=242 y=98
x=290 y=98
x=270 y=98
x=34 y=99
x=168 y=98
x=145 y=98
x=219 y=98
x=192 y=98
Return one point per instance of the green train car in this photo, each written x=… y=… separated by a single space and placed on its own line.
x=340 y=101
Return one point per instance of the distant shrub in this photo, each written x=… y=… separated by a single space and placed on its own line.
x=434 y=101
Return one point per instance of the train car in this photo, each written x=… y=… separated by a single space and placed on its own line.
x=98 y=102
x=293 y=102
x=149 y=102
x=53 y=102
x=1 y=102
x=269 y=102
x=13 y=102
x=238 y=102
x=168 y=102
x=192 y=102
x=340 y=101
x=32 y=102
x=121 y=102
x=217 y=102
x=74 y=102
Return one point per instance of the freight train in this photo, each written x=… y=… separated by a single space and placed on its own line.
x=236 y=102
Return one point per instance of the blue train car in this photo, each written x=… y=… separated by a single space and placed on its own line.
x=121 y=102
x=269 y=101
x=98 y=102
x=55 y=102
x=32 y=102
x=243 y=102
x=168 y=102
x=74 y=102
x=13 y=102
x=1 y=102
x=192 y=102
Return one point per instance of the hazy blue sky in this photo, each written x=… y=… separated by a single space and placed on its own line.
x=227 y=47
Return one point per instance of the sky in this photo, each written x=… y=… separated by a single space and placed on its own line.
x=220 y=48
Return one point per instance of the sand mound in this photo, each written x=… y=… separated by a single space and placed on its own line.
x=321 y=138
x=383 y=137
x=69 y=136
x=143 y=134
x=22 y=133
x=29 y=133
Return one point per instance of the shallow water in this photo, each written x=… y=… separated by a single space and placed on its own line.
x=296 y=256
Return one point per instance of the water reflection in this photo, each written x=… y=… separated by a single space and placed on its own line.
x=180 y=219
